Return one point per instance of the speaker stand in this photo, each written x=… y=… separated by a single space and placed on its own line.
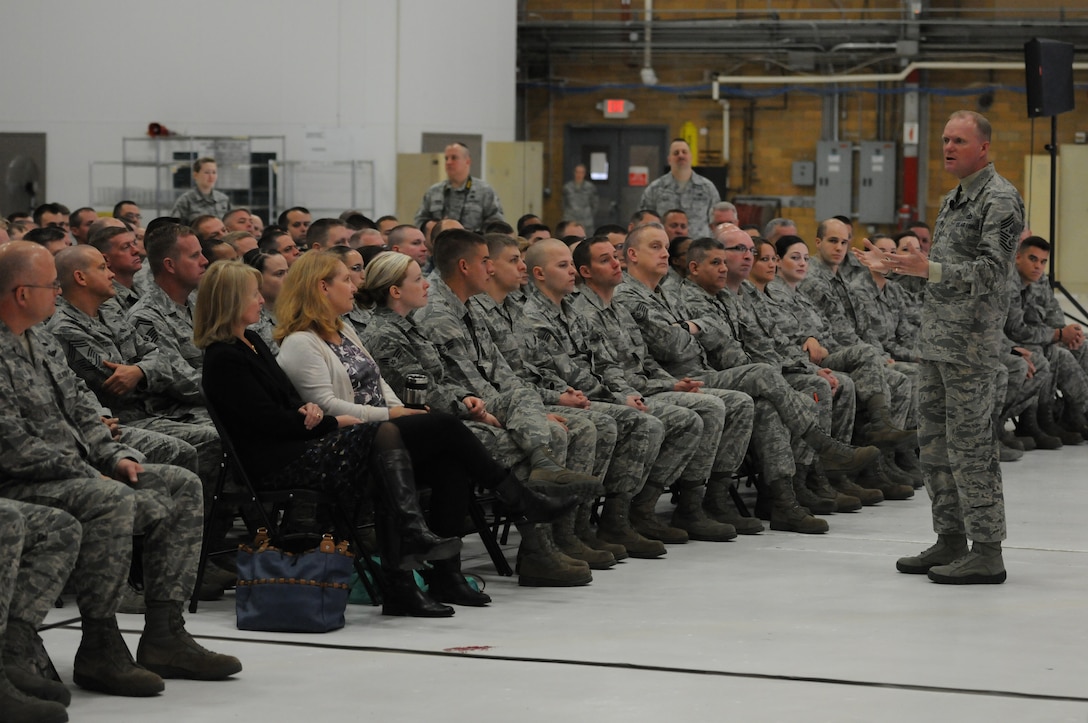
x=1052 y=149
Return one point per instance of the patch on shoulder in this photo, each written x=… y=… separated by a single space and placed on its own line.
x=640 y=311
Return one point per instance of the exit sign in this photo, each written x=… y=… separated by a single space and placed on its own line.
x=616 y=107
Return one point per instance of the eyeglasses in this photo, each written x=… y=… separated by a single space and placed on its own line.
x=55 y=286
x=739 y=249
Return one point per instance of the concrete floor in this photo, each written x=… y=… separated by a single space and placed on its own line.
x=773 y=627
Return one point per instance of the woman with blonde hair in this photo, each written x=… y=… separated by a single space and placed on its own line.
x=283 y=442
x=327 y=363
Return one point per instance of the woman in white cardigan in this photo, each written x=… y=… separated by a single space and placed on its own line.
x=327 y=364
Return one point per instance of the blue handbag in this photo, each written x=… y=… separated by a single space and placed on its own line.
x=295 y=593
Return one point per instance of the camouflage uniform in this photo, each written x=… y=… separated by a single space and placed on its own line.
x=168 y=400
x=1034 y=314
x=460 y=364
x=695 y=197
x=38 y=546
x=503 y=321
x=913 y=289
x=474 y=204
x=781 y=412
x=889 y=317
x=54 y=450
x=580 y=203
x=725 y=435
x=358 y=317
x=193 y=203
x=658 y=446
x=766 y=341
x=125 y=297
x=166 y=324
x=264 y=328
x=798 y=315
x=974 y=240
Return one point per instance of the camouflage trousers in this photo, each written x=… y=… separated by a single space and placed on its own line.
x=161 y=448
x=522 y=414
x=38 y=549
x=872 y=376
x=835 y=411
x=166 y=506
x=195 y=428
x=699 y=441
x=1022 y=392
x=642 y=449
x=739 y=419
x=1068 y=376
x=959 y=456
x=781 y=413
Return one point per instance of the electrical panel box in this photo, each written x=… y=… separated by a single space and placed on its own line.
x=876 y=184
x=803 y=173
x=834 y=179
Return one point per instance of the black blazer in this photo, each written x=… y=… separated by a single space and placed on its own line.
x=258 y=405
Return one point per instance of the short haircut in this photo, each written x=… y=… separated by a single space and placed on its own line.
x=271 y=234
x=583 y=253
x=397 y=234
x=776 y=223
x=1037 y=242
x=639 y=217
x=902 y=235
x=234 y=237
x=381 y=219
x=532 y=228
x=46 y=235
x=70 y=260
x=608 y=229
x=451 y=246
x=985 y=130
x=235 y=212
x=102 y=239
x=821 y=228
x=783 y=244
x=671 y=211
x=635 y=237
x=700 y=247
x=201 y=162
x=535 y=254
x=498 y=242
x=525 y=219
x=16 y=261
x=161 y=221
x=162 y=243
x=497 y=226
x=49 y=208
x=318 y=233
x=723 y=206
x=918 y=224
x=357 y=222
x=121 y=204
x=197 y=221
x=282 y=220
x=562 y=226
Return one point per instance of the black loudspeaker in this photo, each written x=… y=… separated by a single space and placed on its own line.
x=1048 y=66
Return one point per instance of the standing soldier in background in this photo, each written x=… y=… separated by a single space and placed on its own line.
x=580 y=199
x=968 y=268
x=682 y=188
x=462 y=197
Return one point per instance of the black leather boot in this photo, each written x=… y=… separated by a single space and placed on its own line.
x=408 y=540
x=404 y=598
x=448 y=585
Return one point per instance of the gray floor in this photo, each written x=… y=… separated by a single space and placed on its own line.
x=766 y=628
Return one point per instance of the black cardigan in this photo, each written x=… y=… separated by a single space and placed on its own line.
x=258 y=406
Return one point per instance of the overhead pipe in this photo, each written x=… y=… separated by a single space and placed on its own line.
x=899 y=77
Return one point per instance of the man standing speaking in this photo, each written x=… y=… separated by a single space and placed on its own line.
x=968 y=269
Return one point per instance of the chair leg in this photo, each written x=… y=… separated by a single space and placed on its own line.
x=488 y=537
